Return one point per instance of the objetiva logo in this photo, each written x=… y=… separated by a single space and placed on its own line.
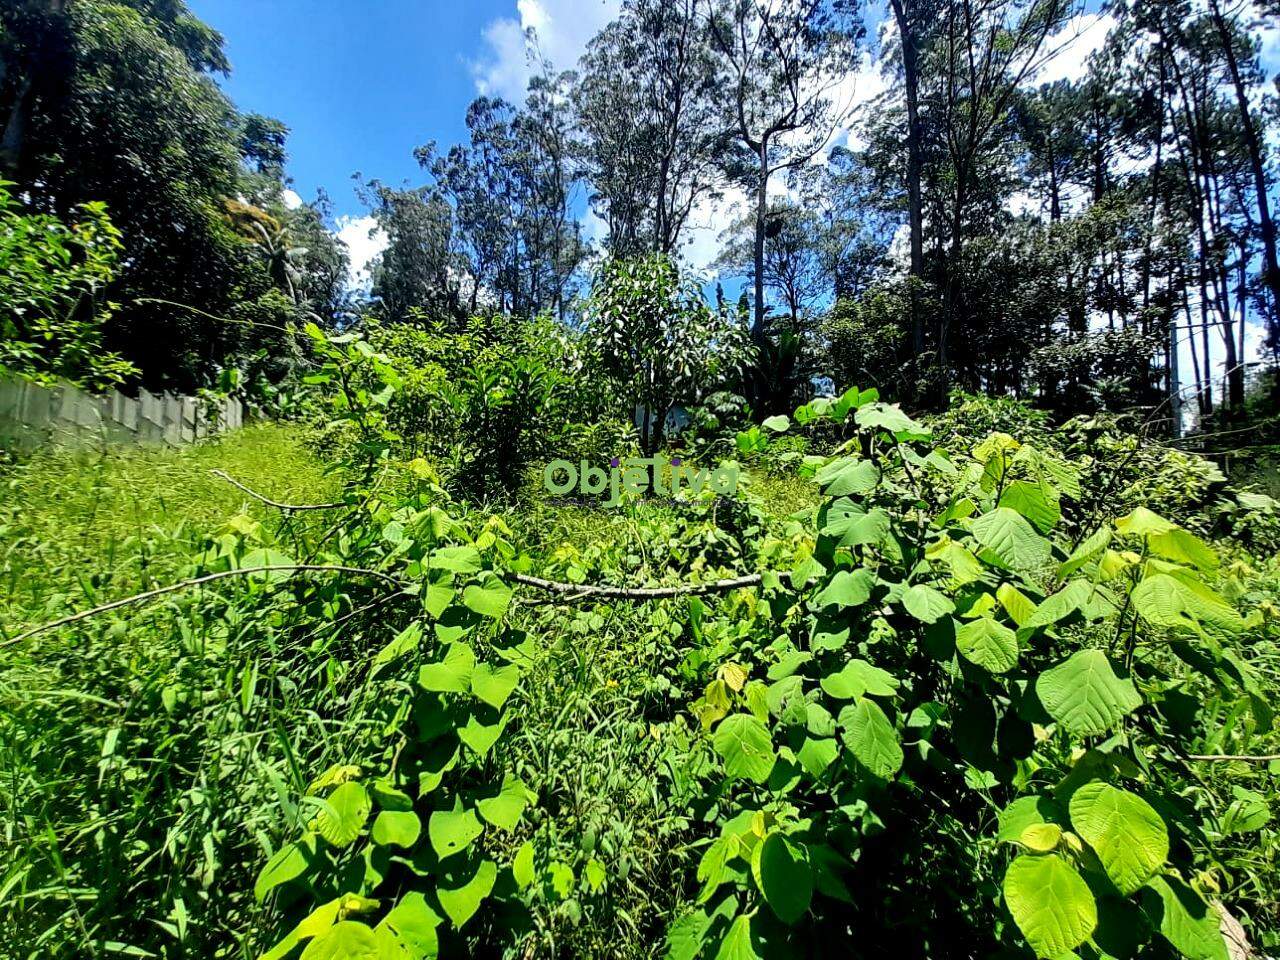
x=638 y=475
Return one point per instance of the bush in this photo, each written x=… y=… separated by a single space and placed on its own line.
x=53 y=278
x=656 y=335
x=485 y=403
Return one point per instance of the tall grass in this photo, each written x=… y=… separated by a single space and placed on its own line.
x=147 y=760
x=79 y=528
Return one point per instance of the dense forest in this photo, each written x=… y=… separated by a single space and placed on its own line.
x=903 y=576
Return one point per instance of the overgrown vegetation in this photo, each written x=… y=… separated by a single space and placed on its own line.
x=991 y=654
x=975 y=658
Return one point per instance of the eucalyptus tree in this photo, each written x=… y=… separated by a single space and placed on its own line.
x=417 y=269
x=510 y=195
x=980 y=57
x=783 y=62
x=913 y=19
x=796 y=269
x=551 y=249
x=478 y=180
x=649 y=132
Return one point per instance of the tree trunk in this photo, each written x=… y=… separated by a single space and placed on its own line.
x=915 y=212
x=1256 y=161
x=762 y=210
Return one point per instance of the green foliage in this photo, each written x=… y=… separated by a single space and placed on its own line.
x=655 y=333
x=998 y=669
x=145 y=754
x=485 y=403
x=947 y=661
x=53 y=280
x=866 y=337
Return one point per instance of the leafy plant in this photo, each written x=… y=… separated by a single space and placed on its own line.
x=941 y=679
x=53 y=280
x=657 y=336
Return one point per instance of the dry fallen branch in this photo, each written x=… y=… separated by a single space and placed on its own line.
x=195 y=582
x=566 y=592
x=287 y=507
x=1251 y=757
x=576 y=591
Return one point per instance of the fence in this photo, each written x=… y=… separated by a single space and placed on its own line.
x=33 y=415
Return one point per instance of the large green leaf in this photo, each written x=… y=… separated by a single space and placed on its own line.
x=522 y=865
x=312 y=925
x=989 y=644
x=461 y=903
x=858 y=678
x=1022 y=813
x=1011 y=538
x=927 y=604
x=1060 y=605
x=847 y=588
x=1093 y=545
x=781 y=870
x=888 y=417
x=413 y=923
x=1015 y=603
x=396 y=828
x=1141 y=522
x=737 y=943
x=344 y=815
x=848 y=475
x=494 y=685
x=506 y=808
x=1185 y=920
x=451 y=675
x=452 y=831
x=1183 y=547
x=481 y=737
x=1175 y=601
x=458 y=559
x=489 y=598
x=1126 y=833
x=871 y=738
x=1038 y=502
x=345 y=940
x=1050 y=903
x=851 y=525
x=288 y=863
x=1084 y=694
x=744 y=744
x=816 y=754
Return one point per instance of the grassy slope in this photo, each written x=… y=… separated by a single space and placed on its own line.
x=78 y=529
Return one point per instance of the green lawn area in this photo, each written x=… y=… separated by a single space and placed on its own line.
x=78 y=528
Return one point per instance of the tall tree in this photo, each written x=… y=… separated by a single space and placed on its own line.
x=649 y=133
x=782 y=61
x=983 y=53
x=416 y=270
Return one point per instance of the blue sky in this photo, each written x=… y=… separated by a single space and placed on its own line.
x=361 y=84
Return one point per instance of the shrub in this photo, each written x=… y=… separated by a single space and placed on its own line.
x=53 y=278
x=657 y=336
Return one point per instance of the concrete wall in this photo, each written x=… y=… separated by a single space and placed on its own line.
x=32 y=415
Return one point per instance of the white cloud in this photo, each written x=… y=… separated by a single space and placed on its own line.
x=364 y=240
x=561 y=30
x=710 y=217
x=854 y=95
x=594 y=227
x=1073 y=45
x=290 y=199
